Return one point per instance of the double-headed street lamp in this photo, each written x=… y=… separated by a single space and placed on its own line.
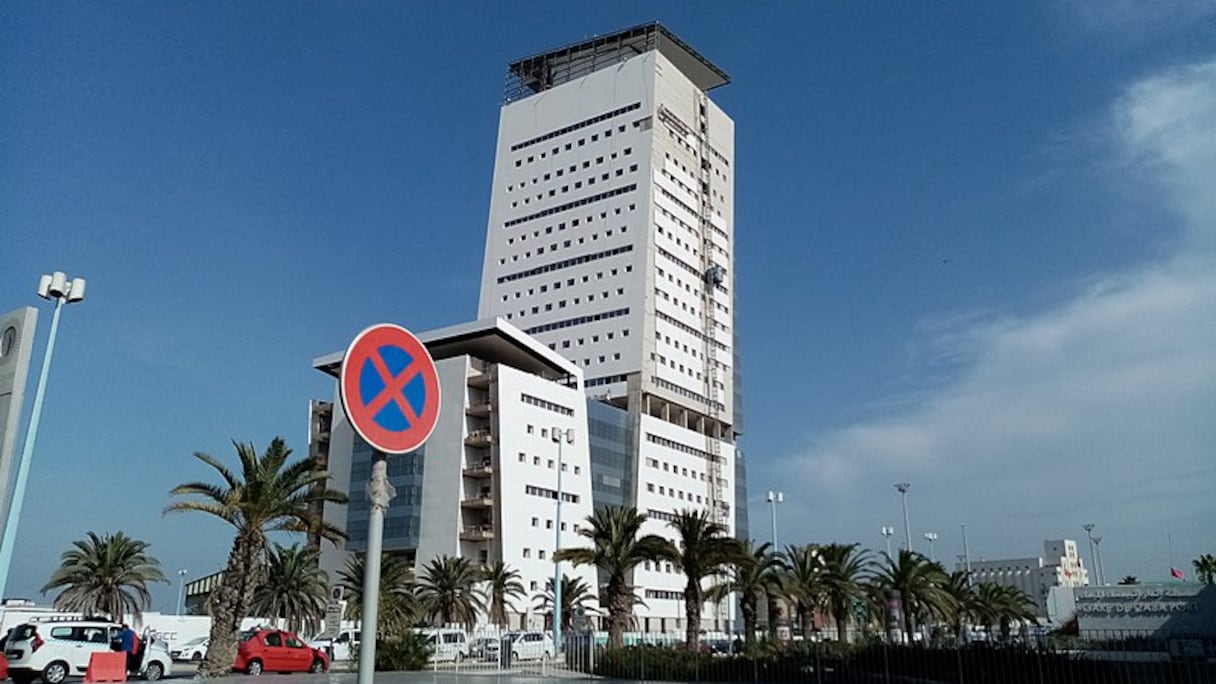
x=559 y=435
x=1093 y=557
x=931 y=537
x=887 y=532
x=57 y=287
x=773 y=499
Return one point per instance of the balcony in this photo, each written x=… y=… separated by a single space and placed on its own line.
x=479 y=438
x=482 y=469
x=477 y=533
x=483 y=500
x=481 y=408
x=478 y=374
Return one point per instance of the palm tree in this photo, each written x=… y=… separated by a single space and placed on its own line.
x=799 y=575
x=703 y=550
x=755 y=576
x=575 y=596
x=397 y=609
x=921 y=584
x=105 y=575
x=1000 y=605
x=1129 y=580
x=1205 y=568
x=503 y=585
x=962 y=601
x=447 y=588
x=294 y=587
x=267 y=495
x=616 y=550
x=843 y=566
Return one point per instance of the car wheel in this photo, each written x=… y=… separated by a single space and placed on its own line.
x=254 y=668
x=55 y=673
x=154 y=672
x=196 y=657
x=514 y=656
x=318 y=665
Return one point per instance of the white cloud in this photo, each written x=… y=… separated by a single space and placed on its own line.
x=1102 y=409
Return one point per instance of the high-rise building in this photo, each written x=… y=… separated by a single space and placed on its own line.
x=1059 y=566
x=611 y=241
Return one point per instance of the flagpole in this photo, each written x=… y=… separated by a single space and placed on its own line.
x=1169 y=538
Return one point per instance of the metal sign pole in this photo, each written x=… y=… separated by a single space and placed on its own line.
x=379 y=494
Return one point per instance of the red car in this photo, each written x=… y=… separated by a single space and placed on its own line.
x=270 y=650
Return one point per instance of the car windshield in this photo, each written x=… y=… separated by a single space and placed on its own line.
x=24 y=632
x=248 y=634
x=196 y=641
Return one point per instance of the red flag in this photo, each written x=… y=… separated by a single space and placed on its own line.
x=1176 y=573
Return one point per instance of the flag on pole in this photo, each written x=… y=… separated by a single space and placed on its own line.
x=1176 y=573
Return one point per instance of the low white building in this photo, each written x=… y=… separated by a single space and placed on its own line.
x=485 y=485
x=1059 y=566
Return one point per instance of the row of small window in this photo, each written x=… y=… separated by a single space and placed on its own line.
x=672 y=364
x=605 y=380
x=574 y=223
x=672 y=492
x=671 y=216
x=680 y=203
x=567 y=263
x=577 y=126
x=573 y=168
x=546 y=493
x=681 y=447
x=661 y=567
x=549 y=525
x=685 y=392
x=684 y=327
x=546 y=404
x=664 y=594
x=565 y=244
x=569 y=146
x=685 y=168
x=578 y=185
x=523 y=458
x=580 y=320
x=557 y=284
x=561 y=303
x=580 y=341
x=572 y=204
x=669 y=468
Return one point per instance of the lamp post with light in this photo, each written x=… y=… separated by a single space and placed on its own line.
x=903 y=488
x=63 y=291
x=931 y=537
x=559 y=435
x=887 y=532
x=773 y=499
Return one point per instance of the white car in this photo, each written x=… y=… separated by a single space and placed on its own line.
x=194 y=650
x=531 y=645
x=54 y=651
x=340 y=647
x=447 y=644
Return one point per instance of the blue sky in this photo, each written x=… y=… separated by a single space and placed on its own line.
x=975 y=247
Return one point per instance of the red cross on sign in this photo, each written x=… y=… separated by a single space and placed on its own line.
x=390 y=389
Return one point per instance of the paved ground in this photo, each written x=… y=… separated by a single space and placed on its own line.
x=423 y=677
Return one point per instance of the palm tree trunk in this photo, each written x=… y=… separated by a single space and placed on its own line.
x=806 y=619
x=842 y=627
x=692 y=614
x=748 y=607
x=619 y=611
x=231 y=601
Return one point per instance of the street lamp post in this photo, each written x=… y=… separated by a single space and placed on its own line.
x=966 y=554
x=57 y=287
x=181 y=589
x=903 y=488
x=1101 y=570
x=773 y=499
x=888 y=532
x=1093 y=558
x=931 y=537
x=559 y=435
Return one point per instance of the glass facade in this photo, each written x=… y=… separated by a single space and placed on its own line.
x=402 y=523
x=611 y=439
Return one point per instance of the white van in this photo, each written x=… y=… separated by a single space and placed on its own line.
x=339 y=647
x=54 y=651
x=447 y=644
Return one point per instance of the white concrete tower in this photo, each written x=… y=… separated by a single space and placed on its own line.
x=610 y=240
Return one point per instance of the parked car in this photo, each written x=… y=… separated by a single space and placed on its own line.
x=272 y=650
x=531 y=645
x=194 y=650
x=340 y=647
x=54 y=651
x=447 y=644
x=485 y=648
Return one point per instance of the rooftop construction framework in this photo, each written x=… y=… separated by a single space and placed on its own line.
x=535 y=74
